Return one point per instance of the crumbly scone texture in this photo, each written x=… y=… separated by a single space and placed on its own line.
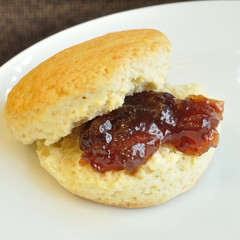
x=166 y=174
x=84 y=81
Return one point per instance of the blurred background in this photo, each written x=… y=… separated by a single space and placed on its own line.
x=25 y=22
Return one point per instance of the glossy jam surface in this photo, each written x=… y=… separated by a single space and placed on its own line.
x=126 y=137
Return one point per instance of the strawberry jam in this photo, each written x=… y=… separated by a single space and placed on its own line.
x=126 y=137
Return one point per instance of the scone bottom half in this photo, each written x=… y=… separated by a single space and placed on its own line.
x=92 y=79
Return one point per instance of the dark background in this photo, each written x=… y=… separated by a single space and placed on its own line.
x=25 y=22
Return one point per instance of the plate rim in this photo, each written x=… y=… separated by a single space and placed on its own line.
x=130 y=11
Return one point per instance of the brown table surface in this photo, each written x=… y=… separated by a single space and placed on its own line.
x=25 y=22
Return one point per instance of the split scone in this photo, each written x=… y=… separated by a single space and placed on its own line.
x=107 y=125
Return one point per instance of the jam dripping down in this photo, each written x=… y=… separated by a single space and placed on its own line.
x=126 y=137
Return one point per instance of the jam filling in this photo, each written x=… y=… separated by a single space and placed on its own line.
x=126 y=137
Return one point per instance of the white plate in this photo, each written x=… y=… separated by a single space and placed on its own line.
x=206 y=41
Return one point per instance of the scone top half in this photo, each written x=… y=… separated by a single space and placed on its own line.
x=85 y=81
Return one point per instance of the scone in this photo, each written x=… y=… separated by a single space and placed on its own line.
x=52 y=103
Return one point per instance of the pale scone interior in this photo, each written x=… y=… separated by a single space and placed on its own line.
x=165 y=175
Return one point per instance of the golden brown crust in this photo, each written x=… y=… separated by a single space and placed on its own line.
x=97 y=74
x=84 y=81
